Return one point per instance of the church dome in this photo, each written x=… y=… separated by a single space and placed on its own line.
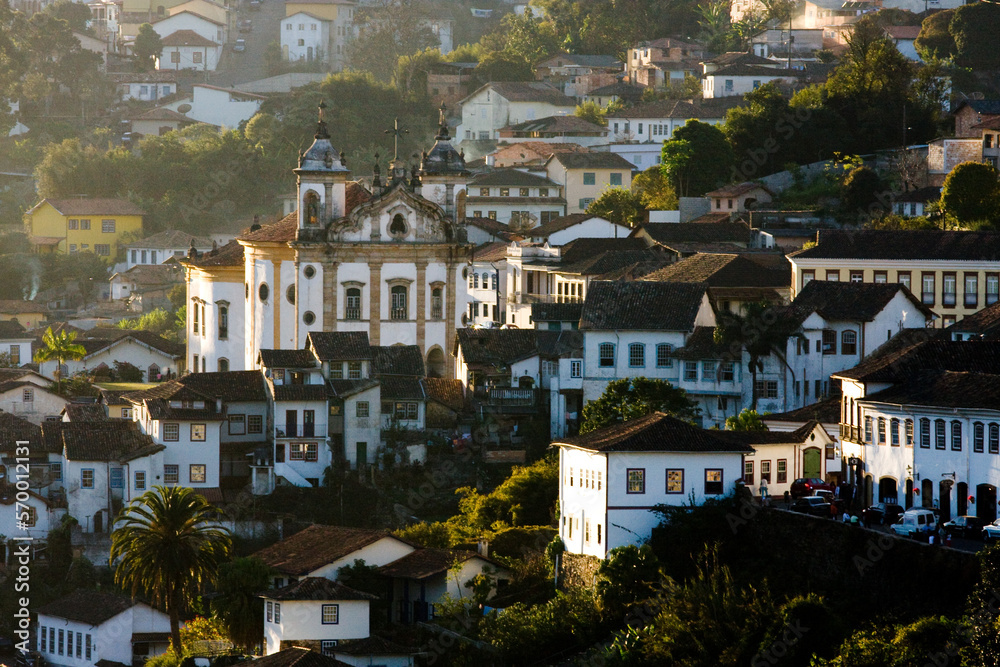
x=322 y=156
x=442 y=158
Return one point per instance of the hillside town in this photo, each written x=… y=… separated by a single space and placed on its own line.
x=561 y=332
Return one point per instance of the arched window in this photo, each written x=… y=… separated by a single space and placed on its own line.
x=663 y=355
x=994 y=438
x=637 y=355
x=978 y=437
x=398 y=225
x=956 y=435
x=153 y=373
x=496 y=281
x=881 y=430
x=894 y=432
x=925 y=433
x=310 y=207
x=475 y=281
x=849 y=342
x=606 y=354
x=398 y=295
x=352 y=310
x=909 y=432
x=223 y=365
x=486 y=281
x=938 y=434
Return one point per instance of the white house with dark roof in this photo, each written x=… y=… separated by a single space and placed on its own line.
x=216 y=326
x=738 y=79
x=157 y=122
x=316 y=613
x=144 y=86
x=154 y=355
x=29 y=396
x=514 y=197
x=655 y=122
x=160 y=247
x=738 y=197
x=188 y=50
x=42 y=506
x=306 y=37
x=571 y=73
x=95 y=628
x=487 y=284
x=562 y=230
x=373 y=650
x=499 y=104
x=555 y=129
x=610 y=479
x=15 y=342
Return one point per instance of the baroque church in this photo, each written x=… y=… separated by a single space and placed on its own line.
x=390 y=262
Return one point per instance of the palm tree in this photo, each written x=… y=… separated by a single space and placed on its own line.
x=61 y=348
x=168 y=545
x=762 y=329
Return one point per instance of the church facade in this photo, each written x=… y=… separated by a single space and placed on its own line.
x=390 y=262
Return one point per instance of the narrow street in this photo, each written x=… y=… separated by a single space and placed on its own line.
x=235 y=68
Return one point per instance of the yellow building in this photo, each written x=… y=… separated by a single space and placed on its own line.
x=585 y=176
x=82 y=225
x=28 y=314
x=340 y=11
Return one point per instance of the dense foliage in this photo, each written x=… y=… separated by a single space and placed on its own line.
x=629 y=398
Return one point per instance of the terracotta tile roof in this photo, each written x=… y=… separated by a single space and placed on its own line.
x=344 y=388
x=641 y=305
x=12 y=329
x=282 y=231
x=610 y=262
x=850 y=302
x=18 y=307
x=798 y=436
x=113 y=397
x=558 y=224
x=741 y=69
x=903 y=31
x=296 y=656
x=728 y=270
x=186 y=38
x=593 y=160
x=701 y=345
x=556 y=312
x=670 y=233
x=372 y=646
x=230 y=254
x=145 y=275
x=903 y=245
x=490 y=225
x=164 y=76
x=449 y=393
x=316 y=546
x=401 y=388
x=230 y=386
x=165 y=114
x=924 y=195
x=916 y=350
x=739 y=58
x=424 y=563
x=397 y=360
x=656 y=432
x=627 y=91
x=510 y=177
x=94 y=206
x=737 y=189
x=317 y=588
x=712 y=108
x=984 y=323
x=339 y=345
x=355 y=195
x=110 y=440
x=826 y=411
x=583 y=249
x=85 y=412
x=494 y=251
x=300 y=392
x=581 y=60
x=88 y=606
x=944 y=389
x=499 y=347
x=531 y=91
x=172 y=239
x=13 y=428
x=572 y=124
x=288 y=359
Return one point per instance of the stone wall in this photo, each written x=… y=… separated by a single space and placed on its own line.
x=578 y=571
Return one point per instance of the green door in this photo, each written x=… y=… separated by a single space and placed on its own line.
x=812 y=463
x=362 y=454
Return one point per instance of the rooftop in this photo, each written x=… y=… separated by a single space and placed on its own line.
x=656 y=432
x=499 y=347
x=850 y=302
x=826 y=411
x=316 y=546
x=88 y=606
x=186 y=38
x=297 y=656
x=93 y=206
x=641 y=305
x=557 y=125
x=397 y=360
x=425 y=563
x=287 y=358
x=111 y=440
x=530 y=91
x=172 y=239
x=510 y=177
x=317 y=588
x=592 y=161
x=668 y=233
x=339 y=345
x=902 y=245
x=728 y=270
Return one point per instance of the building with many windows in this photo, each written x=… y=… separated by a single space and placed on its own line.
x=81 y=225
x=514 y=197
x=953 y=273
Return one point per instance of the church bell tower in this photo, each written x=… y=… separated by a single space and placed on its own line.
x=321 y=182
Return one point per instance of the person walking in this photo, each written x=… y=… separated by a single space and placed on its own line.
x=763 y=491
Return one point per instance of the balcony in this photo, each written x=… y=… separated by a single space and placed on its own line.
x=522 y=298
x=948 y=299
x=850 y=433
x=507 y=398
x=398 y=314
x=352 y=314
x=315 y=430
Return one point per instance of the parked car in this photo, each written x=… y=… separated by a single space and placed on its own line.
x=814 y=505
x=241 y=45
x=807 y=486
x=246 y=25
x=883 y=513
x=965 y=526
x=915 y=523
x=992 y=531
x=830 y=498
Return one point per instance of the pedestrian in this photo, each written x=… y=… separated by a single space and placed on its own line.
x=788 y=499
x=868 y=518
x=846 y=517
x=833 y=510
x=763 y=491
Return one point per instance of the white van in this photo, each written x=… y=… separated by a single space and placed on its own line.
x=915 y=523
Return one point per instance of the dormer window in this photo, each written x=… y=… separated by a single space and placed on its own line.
x=397 y=227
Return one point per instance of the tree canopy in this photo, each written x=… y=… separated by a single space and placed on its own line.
x=697 y=159
x=971 y=193
x=629 y=398
x=618 y=205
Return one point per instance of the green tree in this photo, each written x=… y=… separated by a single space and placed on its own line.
x=126 y=372
x=238 y=604
x=935 y=39
x=654 y=190
x=971 y=193
x=59 y=347
x=147 y=46
x=13 y=62
x=75 y=14
x=975 y=28
x=697 y=159
x=761 y=330
x=629 y=398
x=747 y=420
x=522 y=37
x=592 y=112
x=715 y=26
x=392 y=29
x=410 y=77
x=168 y=545
x=859 y=194
x=628 y=575
x=619 y=205
x=526 y=498
x=502 y=66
